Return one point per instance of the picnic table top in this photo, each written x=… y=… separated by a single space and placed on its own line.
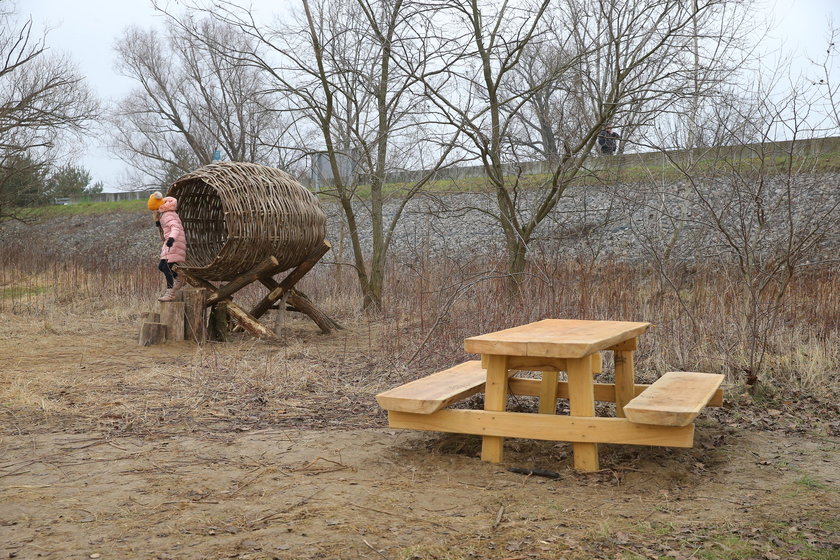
x=555 y=338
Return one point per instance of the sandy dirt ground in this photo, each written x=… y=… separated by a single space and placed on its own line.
x=247 y=450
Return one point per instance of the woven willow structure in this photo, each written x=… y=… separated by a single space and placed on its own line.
x=236 y=215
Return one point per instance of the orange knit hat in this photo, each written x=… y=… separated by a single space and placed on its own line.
x=155 y=201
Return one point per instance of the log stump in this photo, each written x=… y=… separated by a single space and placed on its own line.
x=172 y=315
x=195 y=323
x=152 y=333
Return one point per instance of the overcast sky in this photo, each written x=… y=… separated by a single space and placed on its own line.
x=88 y=29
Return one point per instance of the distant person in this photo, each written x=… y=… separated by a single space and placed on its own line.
x=608 y=141
x=174 y=249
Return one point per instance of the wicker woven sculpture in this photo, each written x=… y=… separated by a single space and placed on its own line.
x=238 y=214
x=246 y=223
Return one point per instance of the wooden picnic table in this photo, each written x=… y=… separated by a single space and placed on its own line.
x=662 y=413
x=551 y=346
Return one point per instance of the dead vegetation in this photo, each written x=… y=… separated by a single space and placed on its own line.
x=256 y=450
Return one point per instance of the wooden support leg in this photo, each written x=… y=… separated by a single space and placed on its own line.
x=495 y=399
x=243 y=280
x=296 y=300
x=582 y=403
x=624 y=375
x=302 y=304
x=242 y=318
x=597 y=363
x=278 y=290
x=624 y=382
x=217 y=324
x=548 y=392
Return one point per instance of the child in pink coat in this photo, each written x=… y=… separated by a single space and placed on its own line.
x=174 y=249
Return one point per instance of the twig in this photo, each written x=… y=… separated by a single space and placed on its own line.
x=184 y=502
x=287 y=510
x=736 y=502
x=251 y=481
x=14 y=473
x=409 y=517
x=373 y=549
x=498 y=517
x=308 y=468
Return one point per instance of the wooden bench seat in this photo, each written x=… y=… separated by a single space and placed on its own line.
x=436 y=391
x=675 y=399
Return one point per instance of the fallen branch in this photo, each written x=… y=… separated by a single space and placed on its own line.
x=287 y=510
x=498 y=517
x=535 y=472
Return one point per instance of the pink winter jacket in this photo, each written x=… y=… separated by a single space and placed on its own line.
x=172 y=227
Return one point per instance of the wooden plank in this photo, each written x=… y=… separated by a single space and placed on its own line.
x=604 y=392
x=559 y=338
x=675 y=399
x=582 y=403
x=495 y=399
x=530 y=363
x=436 y=391
x=544 y=427
x=548 y=393
x=540 y=363
x=172 y=315
x=624 y=380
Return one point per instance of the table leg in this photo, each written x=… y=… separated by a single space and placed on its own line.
x=495 y=399
x=624 y=375
x=548 y=393
x=582 y=403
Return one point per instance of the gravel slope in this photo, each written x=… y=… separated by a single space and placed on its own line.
x=624 y=221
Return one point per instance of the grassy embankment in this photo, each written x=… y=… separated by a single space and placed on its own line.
x=433 y=304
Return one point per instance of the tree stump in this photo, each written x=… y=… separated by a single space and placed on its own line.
x=194 y=315
x=152 y=333
x=148 y=317
x=172 y=315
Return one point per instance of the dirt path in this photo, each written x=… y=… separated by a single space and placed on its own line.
x=110 y=450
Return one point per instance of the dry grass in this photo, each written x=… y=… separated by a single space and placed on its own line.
x=430 y=308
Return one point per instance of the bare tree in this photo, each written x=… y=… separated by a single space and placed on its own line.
x=42 y=98
x=763 y=210
x=192 y=99
x=340 y=72
x=620 y=61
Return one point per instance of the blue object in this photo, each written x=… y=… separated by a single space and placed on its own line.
x=217 y=155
